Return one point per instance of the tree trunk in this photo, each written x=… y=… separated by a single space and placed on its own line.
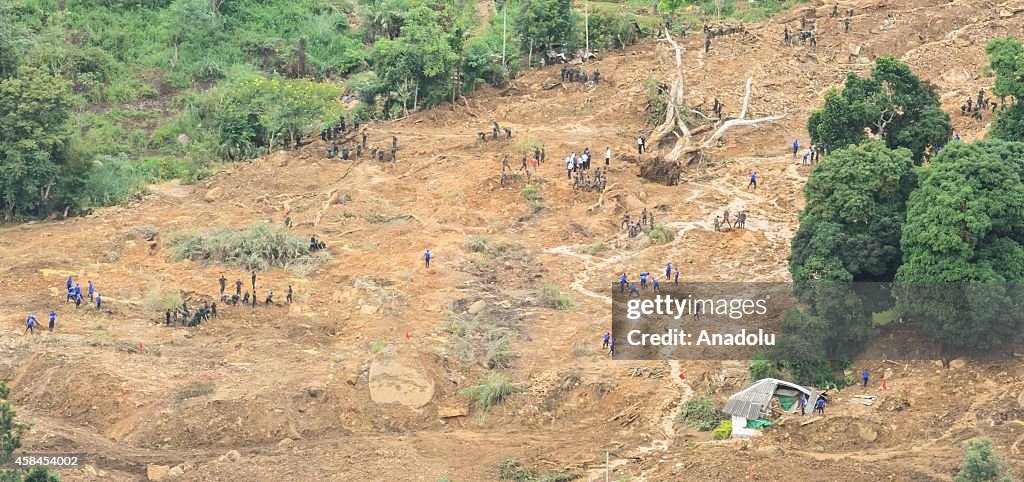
x=675 y=118
x=174 y=60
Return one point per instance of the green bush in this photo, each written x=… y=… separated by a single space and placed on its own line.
x=723 y=431
x=256 y=247
x=657 y=95
x=114 y=180
x=982 y=464
x=661 y=234
x=159 y=301
x=494 y=390
x=551 y=295
x=700 y=413
x=476 y=244
x=514 y=470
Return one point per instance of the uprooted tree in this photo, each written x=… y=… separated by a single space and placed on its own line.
x=677 y=112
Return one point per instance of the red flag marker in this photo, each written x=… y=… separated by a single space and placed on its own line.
x=884 y=385
x=407 y=337
x=140 y=347
x=682 y=376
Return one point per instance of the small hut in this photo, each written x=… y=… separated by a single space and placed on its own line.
x=752 y=407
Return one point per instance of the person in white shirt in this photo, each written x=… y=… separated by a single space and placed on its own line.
x=569 y=165
x=608 y=156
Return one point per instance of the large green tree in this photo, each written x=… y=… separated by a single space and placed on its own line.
x=855 y=208
x=35 y=169
x=963 y=259
x=849 y=232
x=418 y=64
x=891 y=103
x=1006 y=57
x=543 y=23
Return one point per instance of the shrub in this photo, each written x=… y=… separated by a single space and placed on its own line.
x=378 y=346
x=476 y=244
x=514 y=470
x=192 y=390
x=255 y=247
x=114 y=180
x=661 y=234
x=499 y=353
x=700 y=413
x=530 y=192
x=981 y=464
x=723 y=431
x=159 y=301
x=552 y=296
x=495 y=389
x=656 y=92
x=596 y=247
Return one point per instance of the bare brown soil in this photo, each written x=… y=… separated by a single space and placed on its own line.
x=309 y=372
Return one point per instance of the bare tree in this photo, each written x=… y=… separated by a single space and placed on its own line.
x=676 y=113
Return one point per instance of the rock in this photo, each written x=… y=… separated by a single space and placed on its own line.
x=1005 y=13
x=90 y=470
x=176 y=471
x=213 y=194
x=462 y=410
x=367 y=309
x=938 y=363
x=286 y=444
x=958 y=363
x=956 y=76
x=855 y=49
x=1020 y=399
x=156 y=472
x=867 y=433
x=183 y=139
x=477 y=307
x=233 y=456
x=400 y=378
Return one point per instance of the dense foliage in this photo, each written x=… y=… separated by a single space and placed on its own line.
x=1006 y=58
x=10 y=441
x=891 y=103
x=148 y=90
x=963 y=258
x=982 y=463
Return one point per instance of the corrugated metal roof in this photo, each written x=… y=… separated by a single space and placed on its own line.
x=752 y=402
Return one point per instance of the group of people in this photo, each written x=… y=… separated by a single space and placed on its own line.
x=189 y=318
x=74 y=295
x=578 y=74
x=811 y=154
x=710 y=33
x=528 y=166
x=646 y=220
x=314 y=245
x=337 y=130
x=724 y=222
x=253 y=300
x=671 y=274
x=976 y=108
x=495 y=130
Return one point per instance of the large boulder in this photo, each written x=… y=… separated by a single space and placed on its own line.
x=400 y=378
x=213 y=194
x=477 y=307
x=157 y=472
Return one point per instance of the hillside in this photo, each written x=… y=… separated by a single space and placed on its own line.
x=358 y=380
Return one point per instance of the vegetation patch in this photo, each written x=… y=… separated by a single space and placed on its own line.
x=256 y=247
x=700 y=413
x=494 y=390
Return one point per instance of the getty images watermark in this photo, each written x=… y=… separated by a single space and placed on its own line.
x=732 y=321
